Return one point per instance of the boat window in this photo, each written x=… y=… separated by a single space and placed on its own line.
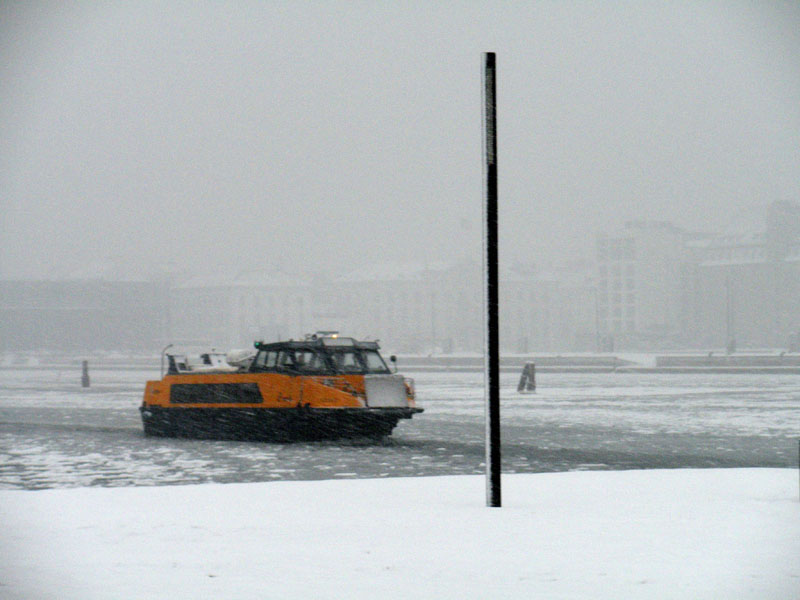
x=301 y=361
x=374 y=362
x=347 y=362
x=266 y=359
x=307 y=361
x=286 y=360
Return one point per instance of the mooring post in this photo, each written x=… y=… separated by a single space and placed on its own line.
x=85 y=374
x=491 y=293
x=527 y=381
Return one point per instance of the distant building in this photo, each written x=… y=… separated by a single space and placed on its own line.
x=417 y=307
x=652 y=287
x=438 y=307
x=749 y=285
x=228 y=312
x=83 y=315
x=547 y=311
x=640 y=286
x=659 y=287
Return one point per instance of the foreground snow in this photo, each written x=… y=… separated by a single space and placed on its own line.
x=627 y=534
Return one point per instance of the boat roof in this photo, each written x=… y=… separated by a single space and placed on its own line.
x=319 y=342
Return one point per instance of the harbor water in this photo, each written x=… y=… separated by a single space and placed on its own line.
x=56 y=433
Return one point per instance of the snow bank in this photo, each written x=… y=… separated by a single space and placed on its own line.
x=631 y=534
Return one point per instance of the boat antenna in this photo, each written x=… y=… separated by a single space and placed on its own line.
x=167 y=347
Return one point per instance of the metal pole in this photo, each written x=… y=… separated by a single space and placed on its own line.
x=491 y=295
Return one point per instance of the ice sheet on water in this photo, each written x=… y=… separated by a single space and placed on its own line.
x=55 y=434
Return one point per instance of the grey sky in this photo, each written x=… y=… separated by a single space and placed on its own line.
x=331 y=135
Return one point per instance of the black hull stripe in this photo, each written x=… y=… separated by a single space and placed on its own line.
x=278 y=424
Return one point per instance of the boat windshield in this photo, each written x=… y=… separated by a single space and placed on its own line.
x=374 y=362
x=357 y=361
x=347 y=361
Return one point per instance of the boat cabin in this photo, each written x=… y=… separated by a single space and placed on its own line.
x=320 y=355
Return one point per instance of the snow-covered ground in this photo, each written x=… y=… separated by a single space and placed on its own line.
x=718 y=533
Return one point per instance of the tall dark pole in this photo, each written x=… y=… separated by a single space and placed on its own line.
x=491 y=295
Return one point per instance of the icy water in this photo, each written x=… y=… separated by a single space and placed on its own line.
x=53 y=433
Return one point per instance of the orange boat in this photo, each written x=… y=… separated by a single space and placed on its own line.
x=323 y=387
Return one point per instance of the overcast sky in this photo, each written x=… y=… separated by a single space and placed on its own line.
x=331 y=135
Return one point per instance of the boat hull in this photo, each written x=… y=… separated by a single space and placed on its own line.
x=272 y=424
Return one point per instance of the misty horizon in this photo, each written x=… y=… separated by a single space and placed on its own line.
x=332 y=136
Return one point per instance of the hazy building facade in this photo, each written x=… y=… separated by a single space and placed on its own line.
x=547 y=311
x=438 y=307
x=661 y=288
x=653 y=287
x=228 y=312
x=749 y=285
x=414 y=308
x=83 y=315
x=640 y=286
